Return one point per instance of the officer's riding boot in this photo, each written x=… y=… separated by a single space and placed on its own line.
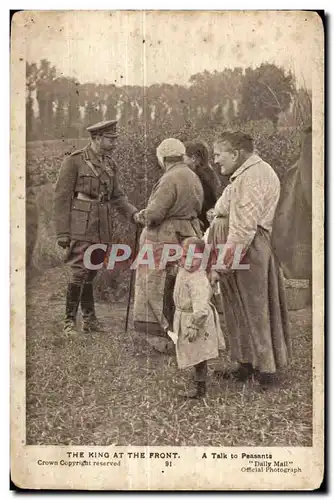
x=89 y=319
x=72 y=304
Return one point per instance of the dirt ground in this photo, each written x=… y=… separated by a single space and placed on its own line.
x=111 y=388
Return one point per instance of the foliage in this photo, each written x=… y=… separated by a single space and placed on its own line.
x=61 y=107
x=280 y=149
x=90 y=395
x=138 y=171
x=147 y=116
x=266 y=92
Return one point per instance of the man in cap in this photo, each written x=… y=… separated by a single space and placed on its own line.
x=170 y=217
x=86 y=196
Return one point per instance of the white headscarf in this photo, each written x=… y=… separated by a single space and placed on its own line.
x=169 y=147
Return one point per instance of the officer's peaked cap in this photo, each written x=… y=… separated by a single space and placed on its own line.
x=107 y=127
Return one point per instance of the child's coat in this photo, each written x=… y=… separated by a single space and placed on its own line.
x=192 y=294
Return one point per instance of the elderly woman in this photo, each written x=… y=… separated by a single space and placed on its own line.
x=170 y=216
x=197 y=158
x=254 y=301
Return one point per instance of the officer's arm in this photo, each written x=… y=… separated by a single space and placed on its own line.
x=121 y=201
x=63 y=196
x=160 y=203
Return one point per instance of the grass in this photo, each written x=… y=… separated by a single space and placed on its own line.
x=112 y=389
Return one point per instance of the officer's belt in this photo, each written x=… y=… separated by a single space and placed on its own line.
x=85 y=197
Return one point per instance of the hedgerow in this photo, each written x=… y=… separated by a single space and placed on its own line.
x=138 y=171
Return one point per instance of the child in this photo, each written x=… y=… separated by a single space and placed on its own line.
x=196 y=322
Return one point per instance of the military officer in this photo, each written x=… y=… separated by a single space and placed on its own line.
x=86 y=196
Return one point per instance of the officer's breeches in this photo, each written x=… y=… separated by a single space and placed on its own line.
x=78 y=273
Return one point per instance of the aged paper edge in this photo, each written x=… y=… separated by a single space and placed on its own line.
x=145 y=474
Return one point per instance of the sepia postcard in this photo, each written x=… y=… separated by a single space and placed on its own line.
x=167 y=250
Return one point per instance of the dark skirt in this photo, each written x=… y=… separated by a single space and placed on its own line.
x=255 y=308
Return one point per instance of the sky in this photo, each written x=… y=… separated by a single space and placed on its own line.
x=137 y=47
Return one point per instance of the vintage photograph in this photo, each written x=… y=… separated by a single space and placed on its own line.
x=168 y=228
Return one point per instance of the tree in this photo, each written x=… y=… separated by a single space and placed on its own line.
x=73 y=111
x=213 y=95
x=265 y=93
x=60 y=100
x=45 y=95
x=31 y=123
x=90 y=99
x=111 y=100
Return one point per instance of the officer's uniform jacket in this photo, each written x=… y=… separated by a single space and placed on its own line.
x=88 y=219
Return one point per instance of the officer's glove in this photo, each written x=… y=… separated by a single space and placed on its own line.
x=135 y=218
x=64 y=241
x=139 y=218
